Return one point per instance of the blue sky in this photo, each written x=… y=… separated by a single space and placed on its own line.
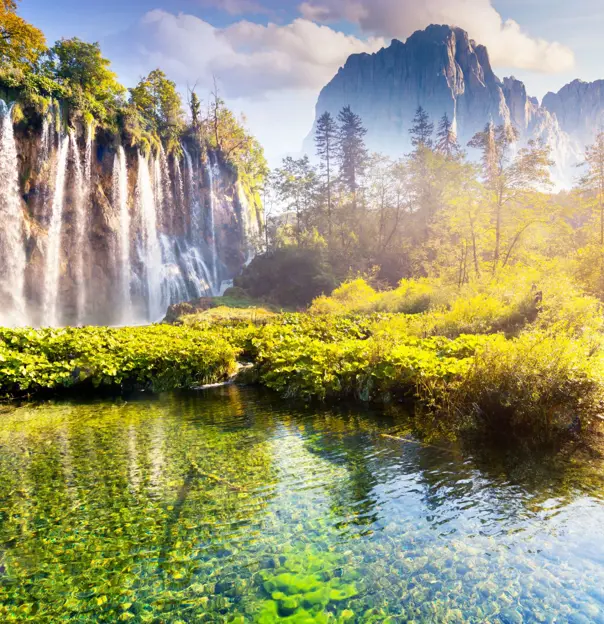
x=272 y=56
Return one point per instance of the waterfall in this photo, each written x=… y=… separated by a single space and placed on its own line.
x=12 y=243
x=87 y=240
x=52 y=267
x=88 y=158
x=120 y=202
x=180 y=186
x=195 y=214
x=151 y=250
x=45 y=141
x=49 y=132
x=198 y=273
x=80 y=231
x=213 y=247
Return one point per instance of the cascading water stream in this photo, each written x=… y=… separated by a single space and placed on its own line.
x=88 y=159
x=120 y=202
x=213 y=246
x=12 y=243
x=180 y=186
x=195 y=214
x=53 y=247
x=152 y=255
x=80 y=194
x=92 y=264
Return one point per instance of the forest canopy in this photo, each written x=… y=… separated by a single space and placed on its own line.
x=461 y=213
x=75 y=74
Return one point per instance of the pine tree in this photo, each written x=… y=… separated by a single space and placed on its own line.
x=422 y=130
x=326 y=138
x=352 y=151
x=446 y=138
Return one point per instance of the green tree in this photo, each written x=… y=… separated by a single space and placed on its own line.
x=592 y=183
x=21 y=44
x=82 y=69
x=425 y=181
x=509 y=176
x=446 y=138
x=296 y=185
x=195 y=108
x=159 y=102
x=326 y=138
x=422 y=129
x=352 y=151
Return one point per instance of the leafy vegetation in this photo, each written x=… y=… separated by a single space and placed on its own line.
x=160 y=358
x=518 y=356
x=73 y=75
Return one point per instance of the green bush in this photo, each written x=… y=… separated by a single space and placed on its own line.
x=538 y=385
x=156 y=357
x=290 y=277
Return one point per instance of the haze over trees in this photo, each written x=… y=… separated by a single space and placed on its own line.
x=447 y=210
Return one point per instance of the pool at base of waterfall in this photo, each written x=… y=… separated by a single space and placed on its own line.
x=231 y=505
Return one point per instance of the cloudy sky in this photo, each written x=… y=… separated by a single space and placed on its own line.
x=272 y=57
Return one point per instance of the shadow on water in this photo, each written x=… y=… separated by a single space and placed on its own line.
x=230 y=505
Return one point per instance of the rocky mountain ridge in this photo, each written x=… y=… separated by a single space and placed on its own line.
x=442 y=69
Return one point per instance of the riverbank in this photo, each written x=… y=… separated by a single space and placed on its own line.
x=540 y=382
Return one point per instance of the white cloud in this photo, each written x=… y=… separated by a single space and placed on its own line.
x=248 y=59
x=236 y=7
x=508 y=44
x=270 y=73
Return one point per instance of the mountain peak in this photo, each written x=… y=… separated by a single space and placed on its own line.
x=442 y=69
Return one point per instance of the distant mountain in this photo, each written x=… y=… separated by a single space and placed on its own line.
x=443 y=70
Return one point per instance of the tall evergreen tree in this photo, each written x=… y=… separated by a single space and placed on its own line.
x=195 y=107
x=446 y=138
x=326 y=139
x=352 y=151
x=422 y=130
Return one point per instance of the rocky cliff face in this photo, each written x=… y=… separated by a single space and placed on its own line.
x=445 y=71
x=110 y=236
x=579 y=109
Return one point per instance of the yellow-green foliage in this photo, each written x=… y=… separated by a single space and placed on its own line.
x=538 y=384
x=159 y=357
x=520 y=355
x=227 y=314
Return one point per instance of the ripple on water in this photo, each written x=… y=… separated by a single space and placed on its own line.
x=231 y=506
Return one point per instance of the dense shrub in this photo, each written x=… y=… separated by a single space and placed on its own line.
x=503 y=360
x=158 y=357
x=290 y=276
x=540 y=384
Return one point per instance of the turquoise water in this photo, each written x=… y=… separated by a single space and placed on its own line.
x=232 y=506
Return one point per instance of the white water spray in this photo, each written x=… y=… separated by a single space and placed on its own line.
x=195 y=214
x=213 y=247
x=80 y=195
x=53 y=248
x=151 y=249
x=12 y=247
x=120 y=202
